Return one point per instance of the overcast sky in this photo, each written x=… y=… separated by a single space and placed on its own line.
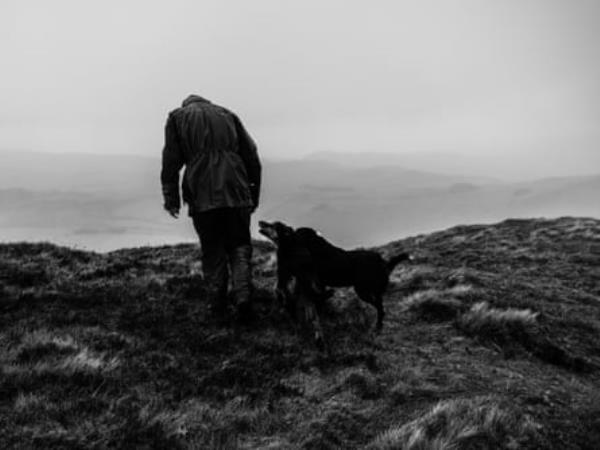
x=308 y=75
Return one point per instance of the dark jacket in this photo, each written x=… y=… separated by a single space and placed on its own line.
x=222 y=168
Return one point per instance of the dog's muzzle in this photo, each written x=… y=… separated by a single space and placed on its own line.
x=267 y=230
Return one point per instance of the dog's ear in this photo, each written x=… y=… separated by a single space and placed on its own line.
x=283 y=229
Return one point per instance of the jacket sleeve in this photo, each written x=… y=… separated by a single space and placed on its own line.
x=249 y=155
x=172 y=162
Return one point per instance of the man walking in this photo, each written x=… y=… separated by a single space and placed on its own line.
x=221 y=185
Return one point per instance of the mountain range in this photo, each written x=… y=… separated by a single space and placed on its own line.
x=104 y=202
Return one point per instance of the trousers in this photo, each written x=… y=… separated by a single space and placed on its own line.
x=224 y=235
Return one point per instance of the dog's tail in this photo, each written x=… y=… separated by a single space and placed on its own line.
x=395 y=260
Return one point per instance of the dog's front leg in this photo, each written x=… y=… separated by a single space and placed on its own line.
x=285 y=299
x=285 y=291
x=305 y=304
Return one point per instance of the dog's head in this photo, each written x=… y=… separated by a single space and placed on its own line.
x=275 y=231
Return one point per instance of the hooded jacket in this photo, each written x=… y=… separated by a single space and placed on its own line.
x=222 y=168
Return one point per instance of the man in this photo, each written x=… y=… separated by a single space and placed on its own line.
x=221 y=185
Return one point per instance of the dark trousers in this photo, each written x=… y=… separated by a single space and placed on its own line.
x=225 y=239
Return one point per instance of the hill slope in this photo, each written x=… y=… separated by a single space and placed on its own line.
x=491 y=340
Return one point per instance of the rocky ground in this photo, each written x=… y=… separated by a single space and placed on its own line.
x=491 y=340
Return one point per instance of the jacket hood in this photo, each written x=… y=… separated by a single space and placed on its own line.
x=193 y=99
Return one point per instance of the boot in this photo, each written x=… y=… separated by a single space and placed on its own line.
x=216 y=278
x=217 y=301
x=241 y=282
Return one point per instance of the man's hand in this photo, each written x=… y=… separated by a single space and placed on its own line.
x=173 y=211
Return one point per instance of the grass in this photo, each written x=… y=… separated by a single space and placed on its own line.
x=212 y=424
x=499 y=325
x=437 y=304
x=491 y=332
x=513 y=329
x=478 y=423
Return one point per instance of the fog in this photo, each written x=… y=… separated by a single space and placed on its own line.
x=375 y=120
x=104 y=202
x=482 y=80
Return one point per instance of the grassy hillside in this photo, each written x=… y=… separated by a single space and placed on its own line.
x=491 y=340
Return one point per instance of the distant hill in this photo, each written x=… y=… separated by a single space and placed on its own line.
x=495 y=165
x=106 y=202
x=490 y=341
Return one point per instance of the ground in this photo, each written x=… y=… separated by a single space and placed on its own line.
x=491 y=340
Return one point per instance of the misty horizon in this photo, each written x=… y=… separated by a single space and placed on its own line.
x=512 y=168
x=104 y=202
x=486 y=80
x=373 y=121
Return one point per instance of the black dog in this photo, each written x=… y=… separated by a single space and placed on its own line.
x=296 y=270
x=298 y=285
x=323 y=264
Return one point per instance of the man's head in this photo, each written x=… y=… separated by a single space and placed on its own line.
x=275 y=231
x=193 y=99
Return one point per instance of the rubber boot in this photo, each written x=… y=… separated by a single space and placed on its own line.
x=216 y=278
x=217 y=301
x=241 y=282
